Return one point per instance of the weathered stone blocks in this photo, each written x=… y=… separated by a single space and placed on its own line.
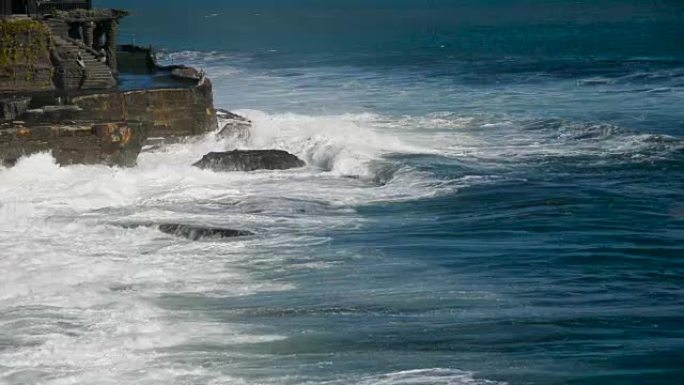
x=113 y=143
x=172 y=112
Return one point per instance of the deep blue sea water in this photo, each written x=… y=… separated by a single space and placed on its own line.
x=494 y=195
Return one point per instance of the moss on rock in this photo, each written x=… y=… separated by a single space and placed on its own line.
x=25 y=55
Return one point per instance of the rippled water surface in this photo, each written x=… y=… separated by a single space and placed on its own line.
x=493 y=195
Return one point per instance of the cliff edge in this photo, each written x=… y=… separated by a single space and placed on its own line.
x=61 y=92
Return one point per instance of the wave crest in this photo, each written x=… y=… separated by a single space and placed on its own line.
x=345 y=145
x=431 y=376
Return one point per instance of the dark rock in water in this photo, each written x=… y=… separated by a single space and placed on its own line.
x=249 y=160
x=195 y=233
x=191 y=232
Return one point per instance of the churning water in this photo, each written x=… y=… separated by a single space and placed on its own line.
x=493 y=195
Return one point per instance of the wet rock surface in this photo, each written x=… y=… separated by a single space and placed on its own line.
x=196 y=233
x=249 y=160
x=191 y=232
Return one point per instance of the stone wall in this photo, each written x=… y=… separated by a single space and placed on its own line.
x=173 y=112
x=25 y=63
x=113 y=143
x=13 y=106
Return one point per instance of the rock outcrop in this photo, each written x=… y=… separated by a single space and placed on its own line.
x=249 y=160
x=60 y=91
x=67 y=131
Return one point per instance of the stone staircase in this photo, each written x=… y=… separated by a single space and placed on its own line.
x=58 y=27
x=95 y=76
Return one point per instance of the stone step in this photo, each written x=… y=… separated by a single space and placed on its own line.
x=98 y=74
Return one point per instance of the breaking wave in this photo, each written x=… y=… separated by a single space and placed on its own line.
x=90 y=307
x=432 y=376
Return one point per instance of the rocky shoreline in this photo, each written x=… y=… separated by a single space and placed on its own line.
x=86 y=100
x=61 y=92
x=71 y=128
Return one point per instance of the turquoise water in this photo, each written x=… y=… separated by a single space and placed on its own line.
x=493 y=195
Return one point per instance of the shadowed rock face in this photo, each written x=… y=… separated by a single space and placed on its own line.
x=249 y=160
x=196 y=233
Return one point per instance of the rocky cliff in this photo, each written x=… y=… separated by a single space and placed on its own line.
x=55 y=97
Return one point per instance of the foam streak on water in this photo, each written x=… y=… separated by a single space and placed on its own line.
x=85 y=299
x=455 y=224
x=79 y=292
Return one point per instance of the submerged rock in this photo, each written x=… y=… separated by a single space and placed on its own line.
x=249 y=160
x=195 y=233
x=191 y=232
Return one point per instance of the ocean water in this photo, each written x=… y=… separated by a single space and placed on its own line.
x=493 y=195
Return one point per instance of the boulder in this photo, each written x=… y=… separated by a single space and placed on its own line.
x=249 y=160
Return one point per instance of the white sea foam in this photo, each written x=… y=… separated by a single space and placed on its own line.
x=79 y=294
x=343 y=144
x=431 y=376
x=438 y=376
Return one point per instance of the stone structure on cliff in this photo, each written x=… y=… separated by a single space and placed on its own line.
x=63 y=88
